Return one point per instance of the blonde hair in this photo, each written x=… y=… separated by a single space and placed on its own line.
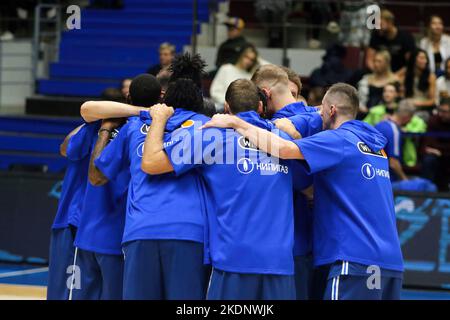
x=293 y=77
x=270 y=75
x=387 y=58
x=387 y=15
x=167 y=46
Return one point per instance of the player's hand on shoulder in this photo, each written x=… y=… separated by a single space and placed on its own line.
x=221 y=121
x=161 y=111
x=286 y=125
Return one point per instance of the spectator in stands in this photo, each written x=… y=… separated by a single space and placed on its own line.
x=371 y=86
x=271 y=13
x=230 y=50
x=387 y=107
x=391 y=94
x=166 y=55
x=118 y=94
x=443 y=83
x=419 y=83
x=391 y=128
x=295 y=84
x=227 y=73
x=436 y=44
x=399 y=43
x=437 y=148
x=332 y=69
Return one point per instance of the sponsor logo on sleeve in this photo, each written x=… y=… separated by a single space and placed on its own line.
x=363 y=148
x=187 y=124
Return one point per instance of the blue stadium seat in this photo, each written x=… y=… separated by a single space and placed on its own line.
x=33 y=141
x=115 y=44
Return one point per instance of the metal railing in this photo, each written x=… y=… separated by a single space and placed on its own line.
x=42 y=35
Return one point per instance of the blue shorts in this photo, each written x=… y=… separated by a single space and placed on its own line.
x=97 y=276
x=239 y=286
x=164 y=270
x=303 y=276
x=60 y=260
x=351 y=281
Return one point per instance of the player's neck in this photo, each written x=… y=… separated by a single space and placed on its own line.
x=283 y=100
x=339 y=122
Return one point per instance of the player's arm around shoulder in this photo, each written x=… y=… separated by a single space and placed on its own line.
x=263 y=139
x=96 y=177
x=98 y=110
x=154 y=160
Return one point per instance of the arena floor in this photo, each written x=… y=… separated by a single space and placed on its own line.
x=27 y=282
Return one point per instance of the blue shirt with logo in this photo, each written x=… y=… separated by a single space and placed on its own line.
x=354 y=217
x=159 y=206
x=249 y=197
x=307 y=122
x=75 y=178
x=393 y=134
x=102 y=219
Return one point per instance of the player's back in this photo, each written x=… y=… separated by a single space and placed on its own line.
x=250 y=209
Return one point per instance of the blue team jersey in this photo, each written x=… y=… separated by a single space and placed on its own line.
x=354 y=217
x=103 y=213
x=307 y=121
x=293 y=109
x=75 y=179
x=159 y=206
x=249 y=193
x=393 y=134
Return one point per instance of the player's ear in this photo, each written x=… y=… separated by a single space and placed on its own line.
x=260 y=109
x=226 y=108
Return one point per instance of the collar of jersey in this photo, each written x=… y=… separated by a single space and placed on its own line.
x=290 y=110
x=179 y=116
x=253 y=118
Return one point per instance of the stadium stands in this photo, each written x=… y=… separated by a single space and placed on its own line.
x=115 y=44
x=33 y=142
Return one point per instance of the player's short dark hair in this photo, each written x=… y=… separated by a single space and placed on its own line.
x=186 y=66
x=242 y=95
x=346 y=96
x=145 y=90
x=184 y=93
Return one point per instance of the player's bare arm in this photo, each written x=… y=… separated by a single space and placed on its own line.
x=263 y=139
x=396 y=166
x=286 y=125
x=154 y=159
x=98 y=110
x=65 y=143
x=96 y=177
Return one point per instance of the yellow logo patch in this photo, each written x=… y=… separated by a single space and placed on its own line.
x=187 y=124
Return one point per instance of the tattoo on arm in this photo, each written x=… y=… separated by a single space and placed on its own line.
x=96 y=177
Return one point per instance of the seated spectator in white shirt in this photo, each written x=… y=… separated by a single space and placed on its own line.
x=242 y=69
x=436 y=44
